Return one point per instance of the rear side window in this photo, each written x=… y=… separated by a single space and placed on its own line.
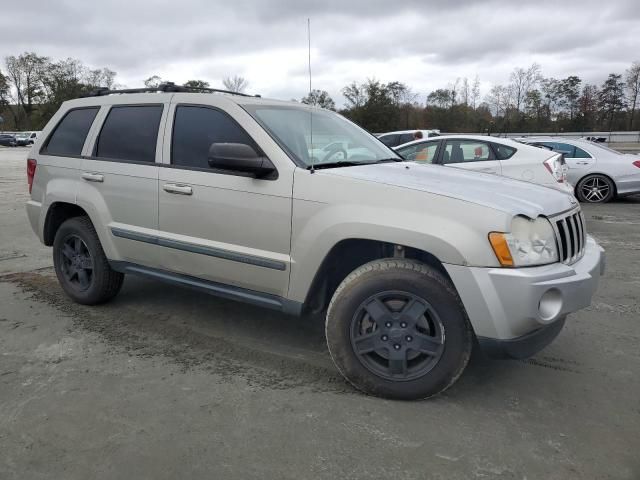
x=389 y=140
x=405 y=138
x=462 y=151
x=69 y=135
x=503 y=152
x=130 y=133
x=196 y=128
x=581 y=153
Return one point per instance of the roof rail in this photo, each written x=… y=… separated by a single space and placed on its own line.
x=163 y=87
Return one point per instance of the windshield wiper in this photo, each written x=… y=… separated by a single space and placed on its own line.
x=349 y=163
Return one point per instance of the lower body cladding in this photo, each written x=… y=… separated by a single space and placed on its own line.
x=516 y=312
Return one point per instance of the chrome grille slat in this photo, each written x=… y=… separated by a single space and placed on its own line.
x=571 y=236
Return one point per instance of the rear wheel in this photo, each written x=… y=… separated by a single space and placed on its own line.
x=595 y=189
x=396 y=328
x=81 y=265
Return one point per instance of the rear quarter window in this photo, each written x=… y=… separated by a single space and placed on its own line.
x=503 y=152
x=70 y=134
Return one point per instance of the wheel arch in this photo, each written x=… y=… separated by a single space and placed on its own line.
x=347 y=255
x=57 y=214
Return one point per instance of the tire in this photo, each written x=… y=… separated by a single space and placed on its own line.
x=595 y=188
x=77 y=249
x=382 y=360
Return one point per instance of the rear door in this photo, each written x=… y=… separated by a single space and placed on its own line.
x=470 y=155
x=120 y=178
x=222 y=226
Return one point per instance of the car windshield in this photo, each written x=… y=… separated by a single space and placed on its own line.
x=320 y=137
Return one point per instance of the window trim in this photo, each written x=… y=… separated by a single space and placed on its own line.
x=273 y=176
x=94 y=149
x=45 y=144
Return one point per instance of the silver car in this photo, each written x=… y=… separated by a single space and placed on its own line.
x=599 y=173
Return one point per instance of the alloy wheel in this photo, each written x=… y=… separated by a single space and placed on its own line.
x=595 y=189
x=77 y=263
x=397 y=335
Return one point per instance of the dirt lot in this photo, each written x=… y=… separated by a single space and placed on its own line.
x=168 y=383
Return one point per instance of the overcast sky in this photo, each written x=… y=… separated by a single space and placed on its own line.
x=425 y=44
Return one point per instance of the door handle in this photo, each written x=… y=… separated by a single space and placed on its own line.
x=93 y=177
x=178 y=189
x=582 y=163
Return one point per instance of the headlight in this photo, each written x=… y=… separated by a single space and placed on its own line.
x=530 y=242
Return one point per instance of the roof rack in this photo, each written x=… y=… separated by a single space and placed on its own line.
x=163 y=87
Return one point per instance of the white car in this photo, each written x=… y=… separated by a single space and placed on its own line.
x=598 y=172
x=499 y=156
x=393 y=139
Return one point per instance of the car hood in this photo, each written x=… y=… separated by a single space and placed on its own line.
x=501 y=193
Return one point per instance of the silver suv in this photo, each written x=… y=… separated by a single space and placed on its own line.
x=219 y=192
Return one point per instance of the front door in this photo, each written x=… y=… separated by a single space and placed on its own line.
x=215 y=225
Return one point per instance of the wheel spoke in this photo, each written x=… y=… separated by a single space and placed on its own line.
x=83 y=278
x=426 y=344
x=377 y=310
x=413 y=310
x=366 y=343
x=67 y=251
x=398 y=361
x=77 y=244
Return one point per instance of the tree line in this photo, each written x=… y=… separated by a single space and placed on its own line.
x=33 y=87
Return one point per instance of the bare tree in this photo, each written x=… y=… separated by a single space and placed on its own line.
x=235 y=84
x=153 y=81
x=464 y=91
x=498 y=100
x=632 y=77
x=25 y=74
x=522 y=81
x=475 y=92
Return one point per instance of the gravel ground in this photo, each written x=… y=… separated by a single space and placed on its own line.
x=168 y=383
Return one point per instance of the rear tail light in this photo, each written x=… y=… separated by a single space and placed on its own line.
x=31 y=172
x=555 y=165
x=637 y=163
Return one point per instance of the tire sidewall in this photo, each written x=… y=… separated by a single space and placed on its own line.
x=457 y=334
x=75 y=226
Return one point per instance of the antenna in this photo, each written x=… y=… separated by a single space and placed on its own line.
x=310 y=110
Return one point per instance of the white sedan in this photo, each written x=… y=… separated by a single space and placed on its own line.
x=599 y=173
x=499 y=156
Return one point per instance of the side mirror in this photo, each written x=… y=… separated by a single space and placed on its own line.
x=240 y=157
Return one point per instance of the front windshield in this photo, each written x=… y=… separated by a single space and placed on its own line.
x=315 y=136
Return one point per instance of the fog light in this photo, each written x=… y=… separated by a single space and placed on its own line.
x=550 y=304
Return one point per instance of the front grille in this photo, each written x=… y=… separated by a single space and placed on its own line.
x=571 y=235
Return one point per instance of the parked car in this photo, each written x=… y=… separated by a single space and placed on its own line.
x=393 y=139
x=599 y=173
x=8 y=140
x=413 y=264
x=26 y=138
x=499 y=156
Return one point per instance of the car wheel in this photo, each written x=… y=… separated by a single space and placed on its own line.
x=396 y=328
x=595 y=189
x=81 y=265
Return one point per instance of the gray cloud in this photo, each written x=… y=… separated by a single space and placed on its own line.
x=425 y=44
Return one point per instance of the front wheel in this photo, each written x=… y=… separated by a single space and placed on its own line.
x=397 y=329
x=595 y=189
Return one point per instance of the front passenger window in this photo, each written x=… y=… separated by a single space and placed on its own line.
x=196 y=128
x=421 y=153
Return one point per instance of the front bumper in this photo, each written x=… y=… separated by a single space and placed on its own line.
x=520 y=304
